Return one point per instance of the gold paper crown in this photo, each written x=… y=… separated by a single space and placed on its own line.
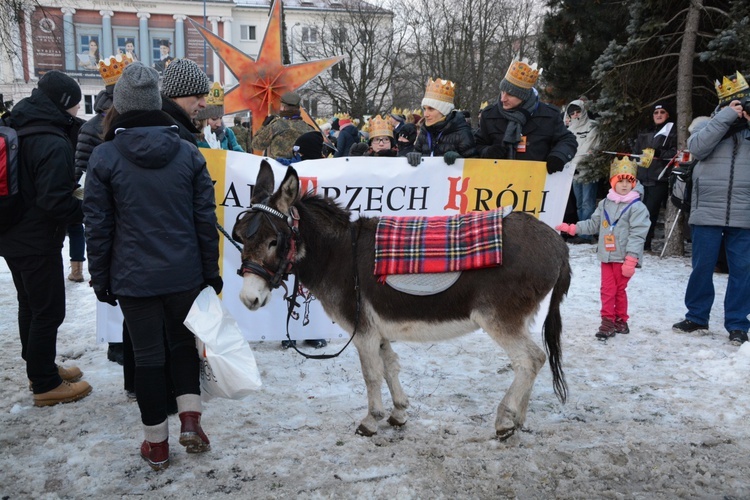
x=483 y=105
x=522 y=74
x=342 y=116
x=215 y=95
x=441 y=90
x=397 y=111
x=111 y=68
x=730 y=87
x=380 y=127
x=320 y=121
x=623 y=166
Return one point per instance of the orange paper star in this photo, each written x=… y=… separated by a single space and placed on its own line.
x=262 y=81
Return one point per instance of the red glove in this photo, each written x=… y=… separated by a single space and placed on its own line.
x=567 y=228
x=628 y=267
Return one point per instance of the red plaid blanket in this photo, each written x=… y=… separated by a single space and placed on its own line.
x=412 y=245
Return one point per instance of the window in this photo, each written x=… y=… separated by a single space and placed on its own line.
x=339 y=36
x=247 y=33
x=88 y=104
x=310 y=34
x=88 y=49
x=311 y=105
x=338 y=71
x=126 y=43
x=161 y=50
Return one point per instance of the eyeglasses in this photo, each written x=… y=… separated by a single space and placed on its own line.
x=660 y=112
x=381 y=140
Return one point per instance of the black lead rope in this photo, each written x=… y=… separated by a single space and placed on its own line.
x=292 y=303
x=229 y=237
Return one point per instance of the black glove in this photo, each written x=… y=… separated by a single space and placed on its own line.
x=494 y=151
x=216 y=283
x=450 y=157
x=104 y=295
x=414 y=158
x=554 y=164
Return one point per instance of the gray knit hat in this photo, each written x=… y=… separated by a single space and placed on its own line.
x=183 y=78
x=137 y=89
x=520 y=78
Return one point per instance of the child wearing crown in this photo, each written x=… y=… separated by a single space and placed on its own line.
x=622 y=222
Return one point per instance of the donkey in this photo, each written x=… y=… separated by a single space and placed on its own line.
x=333 y=257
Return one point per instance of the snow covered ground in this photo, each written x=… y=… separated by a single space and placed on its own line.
x=650 y=415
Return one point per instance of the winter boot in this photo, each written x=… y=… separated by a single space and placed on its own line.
x=192 y=436
x=621 y=326
x=606 y=330
x=72 y=374
x=66 y=392
x=76 y=271
x=155 y=448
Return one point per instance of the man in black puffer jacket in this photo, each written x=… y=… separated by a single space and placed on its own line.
x=521 y=127
x=33 y=247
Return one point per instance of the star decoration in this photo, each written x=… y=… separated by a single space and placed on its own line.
x=262 y=81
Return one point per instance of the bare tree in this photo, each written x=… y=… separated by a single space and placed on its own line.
x=371 y=44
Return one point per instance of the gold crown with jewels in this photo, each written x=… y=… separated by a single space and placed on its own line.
x=732 y=88
x=623 y=166
x=111 y=68
x=379 y=127
x=522 y=74
x=441 y=90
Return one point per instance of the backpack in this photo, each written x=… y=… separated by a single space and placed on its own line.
x=681 y=185
x=11 y=202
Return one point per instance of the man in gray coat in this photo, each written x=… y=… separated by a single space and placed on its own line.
x=720 y=209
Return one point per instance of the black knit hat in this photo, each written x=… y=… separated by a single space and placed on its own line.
x=60 y=88
x=310 y=145
x=666 y=106
x=183 y=78
x=409 y=132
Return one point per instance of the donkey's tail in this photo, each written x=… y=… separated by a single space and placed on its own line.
x=553 y=329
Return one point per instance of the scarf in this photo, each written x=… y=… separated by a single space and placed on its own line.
x=623 y=198
x=517 y=118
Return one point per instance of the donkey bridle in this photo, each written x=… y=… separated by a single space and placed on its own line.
x=276 y=278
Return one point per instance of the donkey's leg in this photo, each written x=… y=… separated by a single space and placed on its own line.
x=368 y=347
x=392 y=370
x=526 y=359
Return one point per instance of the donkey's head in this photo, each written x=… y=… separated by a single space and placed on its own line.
x=268 y=233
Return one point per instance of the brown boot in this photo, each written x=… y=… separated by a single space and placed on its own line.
x=66 y=392
x=72 y=374
x=76 y=271
x=606 y=330
x=155 y=448
x=192 y=436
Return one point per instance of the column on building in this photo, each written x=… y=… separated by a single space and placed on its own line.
x=69 y=38
x=27 y=12
x=144 y=50
x=106 y=47
x=179 y=35
x=216 y=62
x=229 y=79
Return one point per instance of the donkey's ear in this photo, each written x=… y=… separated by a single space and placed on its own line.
x=288 y=191
x=263 y=183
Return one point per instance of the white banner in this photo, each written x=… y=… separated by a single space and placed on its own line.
x=368 y=187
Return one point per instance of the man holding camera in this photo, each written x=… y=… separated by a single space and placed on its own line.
x=720 y=208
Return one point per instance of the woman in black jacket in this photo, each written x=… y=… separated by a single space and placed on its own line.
x=444 y=131
x=150 y=222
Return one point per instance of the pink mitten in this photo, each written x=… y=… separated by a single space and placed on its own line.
x=628 y=267
x=567 y=228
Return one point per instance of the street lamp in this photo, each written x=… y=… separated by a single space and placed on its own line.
x=291 y=34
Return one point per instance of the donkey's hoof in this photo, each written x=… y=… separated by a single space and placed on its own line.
x=395 y=422
x=504 y=434
x=365 y=431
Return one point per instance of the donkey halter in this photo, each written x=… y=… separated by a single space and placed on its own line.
x=275 y=279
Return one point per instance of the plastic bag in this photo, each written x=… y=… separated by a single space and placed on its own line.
x=228 y=368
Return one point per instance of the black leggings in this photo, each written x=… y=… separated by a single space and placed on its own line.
x=146 y=317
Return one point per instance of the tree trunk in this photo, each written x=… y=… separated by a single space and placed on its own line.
x=675 y=244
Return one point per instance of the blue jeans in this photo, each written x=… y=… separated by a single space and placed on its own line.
x=585 y=200
x=77 y=242
x=699 y=296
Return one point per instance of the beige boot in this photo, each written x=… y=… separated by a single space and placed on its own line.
x=76 y=271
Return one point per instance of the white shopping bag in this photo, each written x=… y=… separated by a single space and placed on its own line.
x=228 y=368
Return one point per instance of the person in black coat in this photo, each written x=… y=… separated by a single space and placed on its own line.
x=184 y=90
x=659 y=142
x=405 y=139
x=152 y=249
x=348 y=136
x=33 y=247
x=521 y=127
x=444 y=131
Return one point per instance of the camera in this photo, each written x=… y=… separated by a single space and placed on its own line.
x=745 y=101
